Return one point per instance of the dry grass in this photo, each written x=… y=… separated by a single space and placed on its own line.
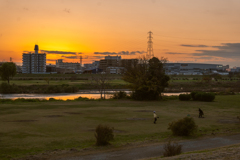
x=29 y=128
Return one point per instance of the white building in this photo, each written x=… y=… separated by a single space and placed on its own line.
x=34 y=63
x=193 y=68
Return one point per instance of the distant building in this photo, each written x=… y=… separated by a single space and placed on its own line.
x=235 y=69
x=66 y=65
x=51 y=68
x=19 y=69
x=109 y=61
x=128 y=63
x=115 y=70
x=193 y=68
x=34 y=63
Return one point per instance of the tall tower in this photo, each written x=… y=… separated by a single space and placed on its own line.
x=36 y=49
x=150 y=54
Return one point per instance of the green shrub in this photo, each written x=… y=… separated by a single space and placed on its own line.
x=193 y=94
x=52 y=99
x=198 y=96
x=183 y=127
x=184 y=97
x=103 y=135
x=172 y=149
x=6 y=88
x=143 y=93
x=82 y=99
x=119 y=95
x=5 y=100
x=203 y=96
x=208 y=97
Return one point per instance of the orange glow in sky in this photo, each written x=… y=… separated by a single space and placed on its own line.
x=205 y=31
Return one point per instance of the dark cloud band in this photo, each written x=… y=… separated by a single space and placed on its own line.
x=59 y=52
x=187 y=45
x=120 y=53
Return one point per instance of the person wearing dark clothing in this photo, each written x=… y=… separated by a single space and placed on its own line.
x=200 y=113
x=155 y=117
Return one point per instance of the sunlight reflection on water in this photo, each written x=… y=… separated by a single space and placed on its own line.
x=64 y=96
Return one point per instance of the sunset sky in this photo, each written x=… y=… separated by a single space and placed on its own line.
x=201 y=31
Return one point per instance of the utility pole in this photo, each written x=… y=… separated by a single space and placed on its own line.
x=80 y=62
x=150 y=53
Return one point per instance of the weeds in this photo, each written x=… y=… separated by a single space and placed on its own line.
x=172 y=149
x=103 y=135
x=183 y=127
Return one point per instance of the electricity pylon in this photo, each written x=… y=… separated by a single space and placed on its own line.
x=150 y=53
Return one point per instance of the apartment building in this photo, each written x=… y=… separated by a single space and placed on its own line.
x=34 y=63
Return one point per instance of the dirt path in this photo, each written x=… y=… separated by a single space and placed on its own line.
x=156 y=150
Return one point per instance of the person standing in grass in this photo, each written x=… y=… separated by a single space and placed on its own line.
x=200 y=113
x=155 y=117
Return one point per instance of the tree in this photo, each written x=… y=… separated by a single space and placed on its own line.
x=101 y=82
x=147 y=78
x=8 y=70
x=230 y=75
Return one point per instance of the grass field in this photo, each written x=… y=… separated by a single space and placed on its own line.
x=60 y=82
x=31 y=128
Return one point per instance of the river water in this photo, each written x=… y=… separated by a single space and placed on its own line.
x=68 y=96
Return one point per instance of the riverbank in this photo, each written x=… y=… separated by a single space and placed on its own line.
x=228 y=87
x=38 y=128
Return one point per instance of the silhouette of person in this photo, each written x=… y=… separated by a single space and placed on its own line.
x=155 y=117
x=200 y=113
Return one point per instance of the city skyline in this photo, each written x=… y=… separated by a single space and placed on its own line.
x=192 y=31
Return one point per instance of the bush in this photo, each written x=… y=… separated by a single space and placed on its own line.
x=6 y=88
x=184 y=97
x=103 y=135
x=198 y=96
x=183 y=127
x=82 y=99
x=52 y=99
x=208 y=97
x=193 y=94
x=119 y=95
x=143 y=93
x=172 y=149
x=203 y=96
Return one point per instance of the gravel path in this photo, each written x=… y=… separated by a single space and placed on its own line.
x=156 y=150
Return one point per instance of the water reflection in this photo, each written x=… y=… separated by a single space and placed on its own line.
x=56 y=96
x=66 y=96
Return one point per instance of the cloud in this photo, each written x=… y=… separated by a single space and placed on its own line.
x=71 y=57
x=53 y=60
x=188 y=45
x=83 y=57
x=97 y=57
x=174 y=53
x=59 y=52
x=120 y=53
x=226 y=50
x=106 y=53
